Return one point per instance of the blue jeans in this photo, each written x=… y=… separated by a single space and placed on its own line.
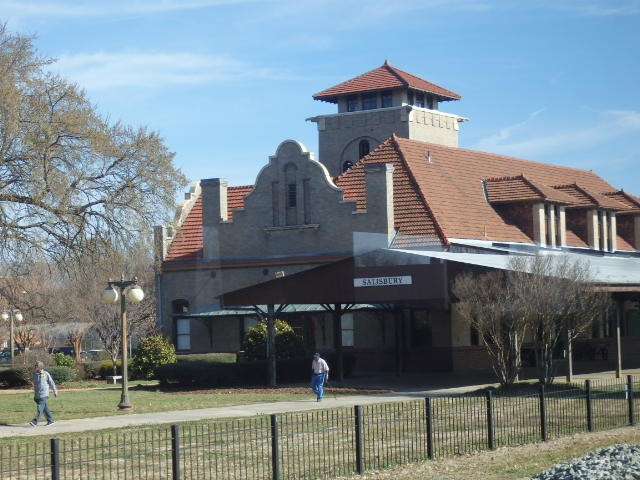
x=317 y=384
x=42 y=408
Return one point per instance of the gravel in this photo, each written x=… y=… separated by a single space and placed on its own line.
x=618 y=462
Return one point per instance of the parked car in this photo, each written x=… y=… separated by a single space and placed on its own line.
x=65 y=349
x=92 y=355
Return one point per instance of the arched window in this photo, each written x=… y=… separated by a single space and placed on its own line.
x=347 y=165
x=363 y=148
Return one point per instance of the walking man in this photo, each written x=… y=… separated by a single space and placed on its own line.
x=42 y=382
x=319 y=375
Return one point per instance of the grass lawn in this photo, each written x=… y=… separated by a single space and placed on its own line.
x=92 y=402
x=508 y=463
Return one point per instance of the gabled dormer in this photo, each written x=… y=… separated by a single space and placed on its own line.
x=377 y=104
x=537 y=209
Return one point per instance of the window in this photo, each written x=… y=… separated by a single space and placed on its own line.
x=430 y=103
x=352 y=103
x=183 y=334
x=291 y=195
x=363 y=148
x=410 y=98
x=369 y=101
x=387 y=99
x=347 y=165
x=419 y=100
x=347 y=329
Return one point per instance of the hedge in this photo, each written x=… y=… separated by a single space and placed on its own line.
x=204 y=374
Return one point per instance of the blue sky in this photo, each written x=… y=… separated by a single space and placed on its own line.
x=225 y=81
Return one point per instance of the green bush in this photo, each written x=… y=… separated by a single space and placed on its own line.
x=89 y=370
x=62 y=360
x=288 y=344
x=202 y=374
x=62 y=374
x=18 y=376
x=151 y=353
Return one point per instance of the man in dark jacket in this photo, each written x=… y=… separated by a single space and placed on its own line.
x=42 y=384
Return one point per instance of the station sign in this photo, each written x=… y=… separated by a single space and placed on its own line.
x=383 y=281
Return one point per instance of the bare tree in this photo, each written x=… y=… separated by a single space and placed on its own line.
x=71 y=183
x=486 y=303
x=560 y=301
x=549 y=297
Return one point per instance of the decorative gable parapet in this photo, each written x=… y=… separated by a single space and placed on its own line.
x=295 y=209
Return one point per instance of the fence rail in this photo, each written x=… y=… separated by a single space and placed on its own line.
x=329 y=443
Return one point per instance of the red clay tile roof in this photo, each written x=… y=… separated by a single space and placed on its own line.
x=188 y=242
x=585 y=197
x=629 y=201
x=383 y=78
x=522 y=189
x=413 y=219
x=447 y=194
x=439 y=195
x=235 y=198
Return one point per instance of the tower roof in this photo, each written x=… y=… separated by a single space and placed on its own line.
x=382 y=78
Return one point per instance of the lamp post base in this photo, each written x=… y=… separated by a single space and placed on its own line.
x=124 y=403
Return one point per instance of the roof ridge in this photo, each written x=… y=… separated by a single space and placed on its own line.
x=506 y=177
x=393 y=70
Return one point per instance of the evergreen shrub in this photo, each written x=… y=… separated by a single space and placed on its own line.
x=151 y=353
x=62 y=374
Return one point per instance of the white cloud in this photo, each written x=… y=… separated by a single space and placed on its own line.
x=136 y=69
x=524 y=140
x=505 y=133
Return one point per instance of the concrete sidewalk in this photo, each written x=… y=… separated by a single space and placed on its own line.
x=404 y=389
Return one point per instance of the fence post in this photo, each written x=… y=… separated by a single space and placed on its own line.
x=429 y=414
x=587 y=389
x=357 y=409
x=175 y=452
x=630 y=399
x=490 y=431
x=55 y=459
x=275 y=447
x=543 y=414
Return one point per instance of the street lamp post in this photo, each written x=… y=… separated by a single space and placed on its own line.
x=133 y=293
x=11 y=314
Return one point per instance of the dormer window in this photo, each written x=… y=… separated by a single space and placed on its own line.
x=352 y=103
x=369 y=101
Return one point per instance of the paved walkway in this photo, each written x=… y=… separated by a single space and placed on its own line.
x=405 y=388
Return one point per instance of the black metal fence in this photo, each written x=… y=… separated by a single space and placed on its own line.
x=328 y=443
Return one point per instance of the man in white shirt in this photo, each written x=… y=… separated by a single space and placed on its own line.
x=319 y=375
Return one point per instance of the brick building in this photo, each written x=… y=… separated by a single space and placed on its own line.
x=393 y=192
